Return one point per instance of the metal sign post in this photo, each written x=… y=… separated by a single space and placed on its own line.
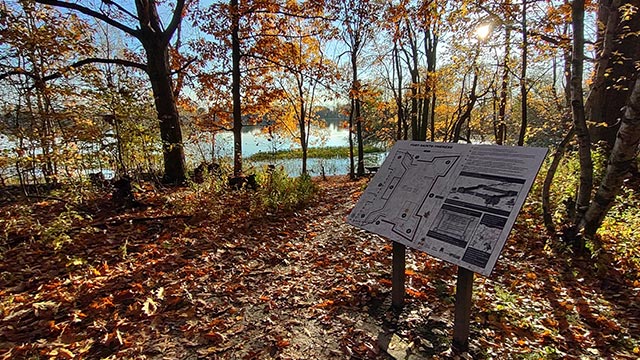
x=398 y=276
x=462 y=314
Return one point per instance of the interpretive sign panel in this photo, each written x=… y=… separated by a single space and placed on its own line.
x=457 y=202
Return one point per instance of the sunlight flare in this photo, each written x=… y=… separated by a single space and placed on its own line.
x=483 y=31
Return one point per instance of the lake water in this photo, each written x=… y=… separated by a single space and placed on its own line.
x=255 y=139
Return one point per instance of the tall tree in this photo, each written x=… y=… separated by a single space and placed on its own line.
x=146 y=25
x=235 y=87
x=250 y=42
x=523 y=75
x=625 y=147
x=304 y=68
x=429 y=16
x=358 y=17
x=577 y=107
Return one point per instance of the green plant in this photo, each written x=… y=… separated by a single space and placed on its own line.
x=322 y=153
x=56 y=233
x=278 y=191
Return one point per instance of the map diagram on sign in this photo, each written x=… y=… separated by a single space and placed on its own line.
x=457 y=202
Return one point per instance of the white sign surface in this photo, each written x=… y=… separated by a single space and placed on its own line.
x=457 y=202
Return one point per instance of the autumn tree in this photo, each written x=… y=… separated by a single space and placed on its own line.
x=358 y=19
x=36 y=46
x=305 y=70
x=392 y=69
x=415 y=30
x=145 y=24
x=249 y=39
x=587 y=212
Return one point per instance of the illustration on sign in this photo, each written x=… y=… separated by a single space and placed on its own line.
x=457 y=202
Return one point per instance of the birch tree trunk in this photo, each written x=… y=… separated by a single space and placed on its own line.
x=622 y=155
x=577 y=107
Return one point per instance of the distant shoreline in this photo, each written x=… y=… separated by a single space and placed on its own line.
x=320 y=153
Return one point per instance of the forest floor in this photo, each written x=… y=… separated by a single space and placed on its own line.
x=194 y=276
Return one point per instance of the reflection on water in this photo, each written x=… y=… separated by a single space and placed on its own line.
x=318 y=167
x=255 y=139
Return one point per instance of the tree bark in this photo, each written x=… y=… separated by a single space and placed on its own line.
x=523 y=77
x=622 y=155
x=430 y=47
x=165 y=102
x=465 y=117
x=577 y=107
x=352 y=168
x=396 y=62
x=548 y=180
x=235 y=89
x=617 y=48
x=302 y=121
x=412 y=63
x=502 y=105
x=356 y=93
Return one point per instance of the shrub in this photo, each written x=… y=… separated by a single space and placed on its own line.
x=278 y=191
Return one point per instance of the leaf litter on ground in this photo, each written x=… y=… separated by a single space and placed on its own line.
x=195 y=275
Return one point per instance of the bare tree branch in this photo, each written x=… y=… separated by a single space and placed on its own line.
x=88 y=61
x=92 y=13
x=120 y=7
x=75 y=65
x=184 y=66
x=175 y=20
x=18 y=71
x=291 y=14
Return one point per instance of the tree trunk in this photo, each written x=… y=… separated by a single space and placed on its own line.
x=356 y=89
x=235 y=89
x=622 y=155
x=577 y=107
x=399 y=105
x=548 y=180
x=412 y=62
x=433 y=116
x=165 y=102
x=502 y=107
x=360 y=168
x=523 y=77
x=303 y=144
x=465 y=117
x=352 y=168
x=430 y=45
x=302 y=119
x=617 y=48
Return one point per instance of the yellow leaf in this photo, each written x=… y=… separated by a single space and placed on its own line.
x=325 y=303
x=531 y=276
x=149 y=307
